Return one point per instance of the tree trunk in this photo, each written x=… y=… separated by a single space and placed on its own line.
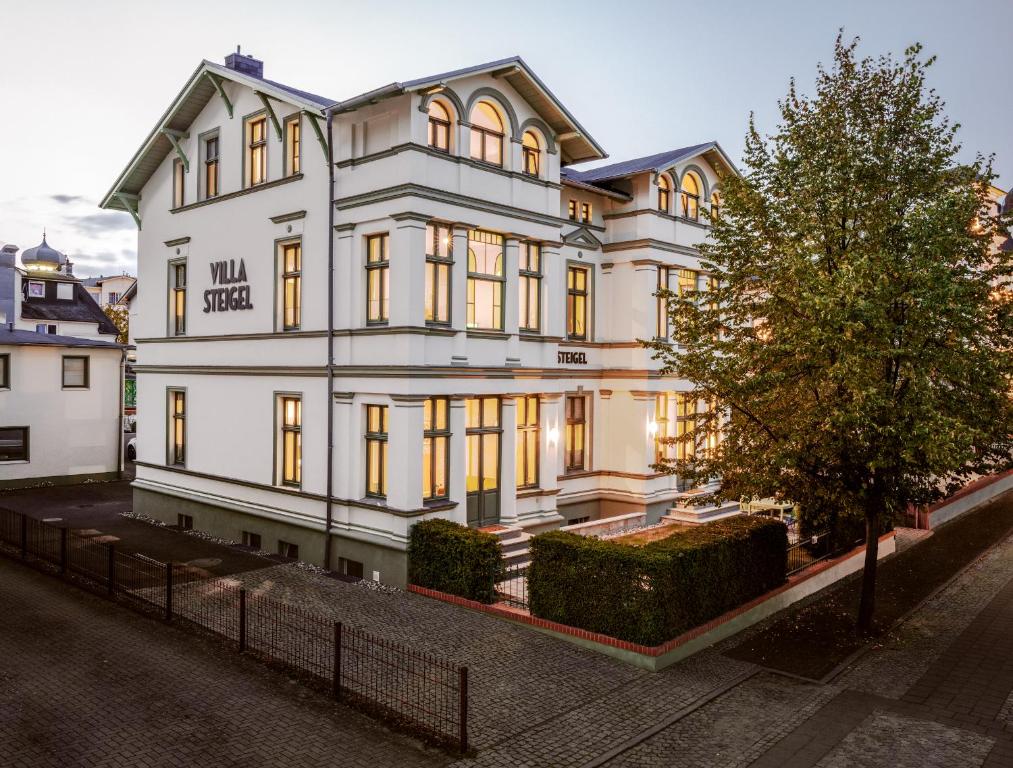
x=868 y=604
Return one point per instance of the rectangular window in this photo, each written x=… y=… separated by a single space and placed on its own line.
x=177 y=427
x=293 y=145
x=288 y=549
x=577 y=294
x=251 y=540
x=575 y=457
x=435 y=449
x=685 y=424
x=585 y=212
x=178 y=183
x=571 y=210
x=256 y=151
x=376 y=451
x=377 y=279
x=439 y=259
x=13 y=443
x=36 y=289
x=291 y=286
x=5 y=371
x=177 y=271
x=65 y=292
x=485 y=280
x=527 y=441
x=113 y=297
x=184 y=522
x=351 y=568
x=44 y=328
x=290 y=440
x=75 y=372
x=662 y=449
x=529 y=291
x=211 y=167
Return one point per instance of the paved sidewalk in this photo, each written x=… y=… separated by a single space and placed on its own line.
x=84 y=682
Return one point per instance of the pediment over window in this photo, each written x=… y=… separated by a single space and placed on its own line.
x=582 y=237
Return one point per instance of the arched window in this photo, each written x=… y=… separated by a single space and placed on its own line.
x=486 y=134
x=439 y=127
x=532 y=154
x=715 y=206
x=691 y=196
x=664 y=193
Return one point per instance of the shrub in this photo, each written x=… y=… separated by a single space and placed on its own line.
x=653 y=593
x=454 y=559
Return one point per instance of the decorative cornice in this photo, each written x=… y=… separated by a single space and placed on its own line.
x=294 y=216
x=178 y=241
x=661 y=245
x=238 y=193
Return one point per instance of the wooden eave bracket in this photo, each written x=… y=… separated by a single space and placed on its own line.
x=271 y=113
x=174 y=137
x=314 y=121
x=130 y=203
x=217 y=83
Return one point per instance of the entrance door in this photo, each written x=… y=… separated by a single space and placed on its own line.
x=483 y=435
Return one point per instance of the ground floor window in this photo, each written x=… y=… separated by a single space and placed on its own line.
x=527 y=441
x=75 y=372
x=376 y=451
x=290 y=440
x=177 y=427
x=13 y=443
x=575 y=457
x=435 y=449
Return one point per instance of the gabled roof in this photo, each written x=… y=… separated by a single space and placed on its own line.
x=83 y=308
x=566 y=176
x=21 y=338
x=576 y=143
x=194 y=96
x=654 y=163
x=128 y=294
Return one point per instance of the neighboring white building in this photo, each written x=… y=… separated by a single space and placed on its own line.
x=108 y=291
x=487 y=302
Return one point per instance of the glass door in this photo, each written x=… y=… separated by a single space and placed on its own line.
x=484 y=435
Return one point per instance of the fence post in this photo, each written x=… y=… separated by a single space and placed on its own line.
x=24 y=535
x=242 y=620
x=462 y=688
x=168 y=591
x=112 y=569
x=336 y=676
x=63 y=551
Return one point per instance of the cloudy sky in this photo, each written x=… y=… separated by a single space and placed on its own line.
x=82 y=83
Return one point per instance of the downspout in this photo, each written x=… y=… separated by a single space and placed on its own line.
x=330 y=339
x=119 y=420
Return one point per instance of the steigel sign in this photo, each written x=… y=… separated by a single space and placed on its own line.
x=235 y=291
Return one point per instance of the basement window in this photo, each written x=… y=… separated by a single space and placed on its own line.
x=251 y=539
x=286 y=549
x=348 y=567
x=184 y=522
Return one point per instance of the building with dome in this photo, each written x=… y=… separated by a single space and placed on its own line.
x=61 y=375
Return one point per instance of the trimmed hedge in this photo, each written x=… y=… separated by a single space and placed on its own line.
x=653 y=593
x=454 y=559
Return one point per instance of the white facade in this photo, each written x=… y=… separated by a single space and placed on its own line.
x=108 y=290
x=229 y=369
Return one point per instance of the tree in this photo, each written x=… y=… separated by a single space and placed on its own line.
x=858 y=336
x=121 y=319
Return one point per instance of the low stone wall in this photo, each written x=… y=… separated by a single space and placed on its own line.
x=605 y=525
x=972 y=496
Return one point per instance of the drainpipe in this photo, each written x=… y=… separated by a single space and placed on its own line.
x=330 y=338
x=119 y=420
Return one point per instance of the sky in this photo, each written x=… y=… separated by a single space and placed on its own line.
x=83 y=83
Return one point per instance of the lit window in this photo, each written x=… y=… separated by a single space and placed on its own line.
x=527 y=441
x=435 y=448
x=485 y=280
x=532 y=154
x=377 y=279
x=529 y=290
x=571 y=210
x=290 y=440
x=439 y=260
x=13 y=443
x=691 y=196
x=685 y=425
x=439 y=127
x=486 y=134
x=177 y=427
x=715 y=207
x=376 y=451
x=664 y=193
x=577 y=294
x=178 y=298
x=75 y=372
x=293 y=145
x=585 y=213
x=256 y=151
x=178 y=183
x=678 y=281
x=576 y=433
x=483 y=435
x=291 y=286
x=211 y=167
x=663 y=449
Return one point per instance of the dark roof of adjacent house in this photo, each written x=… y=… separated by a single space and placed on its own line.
x=566 y=177
x=21 y=338
x=83 y=309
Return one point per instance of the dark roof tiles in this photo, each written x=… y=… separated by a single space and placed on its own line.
x=19 y=337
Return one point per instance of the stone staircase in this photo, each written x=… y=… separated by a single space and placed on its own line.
x=515 y=544
x=684 y=510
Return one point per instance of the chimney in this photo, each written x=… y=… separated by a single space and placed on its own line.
x=245 y=64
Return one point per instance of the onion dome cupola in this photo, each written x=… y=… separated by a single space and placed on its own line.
x=43 y=258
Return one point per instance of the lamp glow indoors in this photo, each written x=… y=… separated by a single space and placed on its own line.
x=652 y=428
x=553 y=435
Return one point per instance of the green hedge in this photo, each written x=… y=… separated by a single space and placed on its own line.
x=451 y=558
x=653 y=593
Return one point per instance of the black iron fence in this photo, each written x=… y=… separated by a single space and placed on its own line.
x=512 y=585
x=412 y=690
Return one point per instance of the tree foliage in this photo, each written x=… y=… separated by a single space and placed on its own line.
x=859 y=339
x=120 y=316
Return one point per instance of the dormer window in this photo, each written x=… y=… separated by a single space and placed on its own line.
x=486 y=134
x=65 y=292
x=664 y=193
x=36 y=289
x=691 y=196
x=256 y=150
x=439 y=127
x=532 y=154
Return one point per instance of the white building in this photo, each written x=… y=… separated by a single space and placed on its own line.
x=60 y=394
x=480 y=361
x=108 y=290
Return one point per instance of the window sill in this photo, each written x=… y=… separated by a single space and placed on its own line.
x=479 y=333
x=15 y=461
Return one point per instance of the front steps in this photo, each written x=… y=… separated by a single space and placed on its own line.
x=687 y=514
x=514 y=542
